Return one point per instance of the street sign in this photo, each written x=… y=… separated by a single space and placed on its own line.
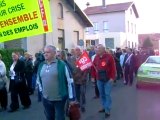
x=23 y=18
x=81 y=42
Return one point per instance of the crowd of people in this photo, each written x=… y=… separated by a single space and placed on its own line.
x=60 y=81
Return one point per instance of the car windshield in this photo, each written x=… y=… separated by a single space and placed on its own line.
x=155 y=60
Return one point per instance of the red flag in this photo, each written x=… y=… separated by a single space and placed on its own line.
x=84 y=62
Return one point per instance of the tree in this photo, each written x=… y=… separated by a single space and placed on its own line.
x=147 y=43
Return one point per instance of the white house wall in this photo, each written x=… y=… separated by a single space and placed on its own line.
x=132 y=37
x=35 y=44
x=119 y=38
x=117 y=18
x=70 y=23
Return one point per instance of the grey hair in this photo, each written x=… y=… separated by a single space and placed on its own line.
x=79 y=47
x=53 y=48
x=101 y=45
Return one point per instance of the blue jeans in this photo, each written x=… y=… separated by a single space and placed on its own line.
x=54 y=110
x=39 y=95
x=105 y=94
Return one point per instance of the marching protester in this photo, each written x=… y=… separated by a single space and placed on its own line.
x=28 y=72
x=39 y=58
x=95 y=81
x=104 y=71
x=138 y=61
x=80 y=78
x=52 y=77
x=18 y=85
x=64 y=57
x=129 y=66
x=3 y=90
x=118 y=66
x=122 y=61
x=91 y=51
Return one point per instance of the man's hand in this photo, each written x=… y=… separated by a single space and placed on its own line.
x=72 y=103
x=93 y=80
x=111 y=81
x=0 y=75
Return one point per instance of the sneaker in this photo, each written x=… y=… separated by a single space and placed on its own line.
x=95 y=97
x=101 y=110
x=12 y=110
x=83 y=109
x=26 y=107
x=107 y=115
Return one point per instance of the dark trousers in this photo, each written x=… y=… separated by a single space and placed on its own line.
x=3 y=98
x=81 y=94
x=54 y=110
x=19 y=89
x=119 y=71
x=128 y=73
x=96 y=90
x=29 y=81
x=34 y=77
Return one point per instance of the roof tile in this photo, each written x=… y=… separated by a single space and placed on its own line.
x=109 y=8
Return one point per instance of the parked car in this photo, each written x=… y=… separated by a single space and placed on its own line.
x=149 y=73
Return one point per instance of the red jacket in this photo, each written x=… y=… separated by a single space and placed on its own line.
x=105 y=62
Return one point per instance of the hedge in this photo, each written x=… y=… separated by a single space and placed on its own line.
x=7 y=56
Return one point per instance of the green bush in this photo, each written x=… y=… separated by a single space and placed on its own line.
x=7 y=56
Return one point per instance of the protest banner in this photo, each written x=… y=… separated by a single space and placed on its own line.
x=84 y=62
x=23 y=18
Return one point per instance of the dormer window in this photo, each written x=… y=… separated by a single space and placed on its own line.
x=60 y=10
x=131 y=11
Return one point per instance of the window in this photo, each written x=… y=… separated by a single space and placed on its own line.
x=135 y=45
x=60 y=10
x=61 y=40
x=94 y=42
x=95 y=25
x=128 y=26
x=76 y=36
x=105 y=26
x=154 y=60
x=87 y=29
x=87 y=43
x=109 y=43
x=132 y=45
x=129 y=44
x=131 y=11
x=132 y=27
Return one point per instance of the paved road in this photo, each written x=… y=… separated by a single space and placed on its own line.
x=128 y=104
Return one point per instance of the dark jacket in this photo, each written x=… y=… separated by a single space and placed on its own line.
x=20 y=69
x=28 y=66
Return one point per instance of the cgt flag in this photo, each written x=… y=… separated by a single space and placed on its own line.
x=84 y=62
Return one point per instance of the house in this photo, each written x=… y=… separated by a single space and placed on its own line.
x=153 y=37
x=115 y=25
x=69 y=23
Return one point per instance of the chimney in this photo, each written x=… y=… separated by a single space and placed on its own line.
x=87 y=4
x=104 y=3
